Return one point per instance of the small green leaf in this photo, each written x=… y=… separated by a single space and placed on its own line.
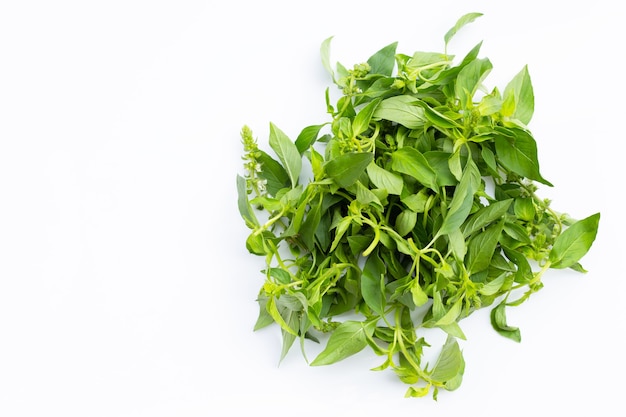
x=347 y=168
x=463 y=20
x=469 y=80
x=287 y=152
x=403 y=110
x=325 y=55
x=273 y=172
x=363 y=118
x=245 y=210
x=521 y=90
x=372 y=283
x=307 y=137
x=485 y=216
x=411 y=162
x=346 y=340
x=384 y=179
x=574 y=242
x=462 y=199
x=482 y=247
x=498 y=321
x=405 y=222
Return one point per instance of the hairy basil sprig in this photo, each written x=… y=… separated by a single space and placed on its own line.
x=421 y=197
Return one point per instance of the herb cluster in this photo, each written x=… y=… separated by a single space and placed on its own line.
x=417 y=208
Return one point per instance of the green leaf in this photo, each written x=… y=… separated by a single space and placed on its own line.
x=574 y=242
x=362 y=120
x=307 y=137
x=405 y=222
x=346 y=340
x=485 y=216
x=383 y=61
x=498 y=321
x=520 y=91
x=273 y=172
x=287 y=152
x=411 y=162
x=325 y=55
x=366 y=197
x=470 y=79
x=245 y=210
x=463 y=20
x=450 y=364
x=383 y=179
x=482 y=246
x=524 y=208
x=403 y=110
x=517 y=150
x=347 y=168
x=462 y=199
x=372 y=283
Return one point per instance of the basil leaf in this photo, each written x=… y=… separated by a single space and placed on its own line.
x=287 y=153
x=346 y=340
x=517 y=150
x=574 y=242
x=411 y=162
x=388 y=181
x=403 y=110
x=372 y=283
x=347 y=168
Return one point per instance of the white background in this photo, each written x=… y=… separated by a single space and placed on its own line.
x=125 y=286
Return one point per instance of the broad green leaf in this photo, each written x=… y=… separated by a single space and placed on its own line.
x=411 y=162
x=347 y=168
x=439 y=161
x=372 y=283
x=485 y=216
x=273 y=172
x=462 y=200
x=287 y=152
x=571 y=245
x=245 y=210
x=463 y=20
x=307 y=137
x=346 y=340
x=384 y=179
x=498 y=321
x=383 y=61
x=469 y=80
x=482 y=246
x=521 y=90
x=403 y=110
x=450 y=364
x=517 y=150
